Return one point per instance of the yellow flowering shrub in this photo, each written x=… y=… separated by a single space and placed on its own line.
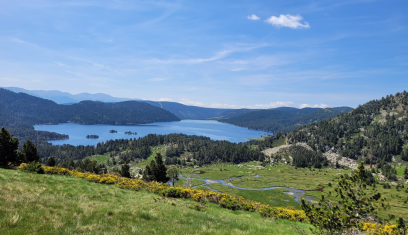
x=107 y=179
x=221 y=199
x=93 y=178
x=380 y=229
x=22 y=165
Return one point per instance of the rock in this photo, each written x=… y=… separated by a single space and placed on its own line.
x=343 y=161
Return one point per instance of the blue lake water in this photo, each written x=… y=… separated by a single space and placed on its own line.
x=213 y=129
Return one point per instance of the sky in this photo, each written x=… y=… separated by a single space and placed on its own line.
x=220 y=54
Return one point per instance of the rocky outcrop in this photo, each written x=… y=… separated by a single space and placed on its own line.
x=335 y=157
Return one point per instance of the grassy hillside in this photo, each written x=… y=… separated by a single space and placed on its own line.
x=54 y=204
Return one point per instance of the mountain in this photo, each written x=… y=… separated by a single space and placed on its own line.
x=188 y=112
x=20 y=111
x=60 y=97
x=283 y=119
x=180 y=110
x=376 y=131
x=233 y=113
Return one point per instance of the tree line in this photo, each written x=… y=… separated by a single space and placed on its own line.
x=375 y=131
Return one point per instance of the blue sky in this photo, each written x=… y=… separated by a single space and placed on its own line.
x=226 y=54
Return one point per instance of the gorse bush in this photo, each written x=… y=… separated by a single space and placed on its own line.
x=32 y=167
x=222 y=199
x=165 y=190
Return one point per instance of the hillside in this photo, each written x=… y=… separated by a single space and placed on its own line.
x=375 y=131
x=54 y=204
x=188 y=112
x=20 y=111
x=283 y=119
x=180 y=110
x=233 y=113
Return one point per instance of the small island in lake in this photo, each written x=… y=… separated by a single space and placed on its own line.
x=113 y=131
x=92 y=136
x=130 y=133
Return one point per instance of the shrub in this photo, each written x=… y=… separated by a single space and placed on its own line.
x=32 y=167
x=229 y=203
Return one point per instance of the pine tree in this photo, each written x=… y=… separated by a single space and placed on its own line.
x=148 y=174
x=8 y=148
x=51 y=161
x=156 y=170
x=125 y=171
x=353 y=206
x=161 y=170
x=29 y=152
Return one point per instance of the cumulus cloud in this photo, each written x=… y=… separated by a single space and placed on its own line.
x=290 y=21
x=314 y=106
x=253 y=17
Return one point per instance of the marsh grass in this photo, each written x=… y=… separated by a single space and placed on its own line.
x=314 y=182
x=55 y=204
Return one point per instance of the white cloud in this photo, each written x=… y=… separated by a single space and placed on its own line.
x=253 y=17
x=271 y=105
x=191 y=102
x=290 y=21
x=314 y=106
x=218 y=55
x=164 y=99
x=156 y=79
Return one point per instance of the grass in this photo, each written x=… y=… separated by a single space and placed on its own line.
x=273 y=197
x=54 y=204
x=313 y=182
x=101 y=159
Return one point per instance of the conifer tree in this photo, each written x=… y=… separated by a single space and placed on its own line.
x=8 y=148
x=353 y=206
x=161 y=170
x=125 y=171
x=156 y=170
x=51 y=161
x=29 y=152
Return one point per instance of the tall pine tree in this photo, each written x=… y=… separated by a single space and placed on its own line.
x=29 y=152
x=8 y=148
x=156 y=170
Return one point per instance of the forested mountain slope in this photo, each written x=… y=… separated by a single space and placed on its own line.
x=20 y=111
x=284 y=119
x=188 y=112
x=375 y=131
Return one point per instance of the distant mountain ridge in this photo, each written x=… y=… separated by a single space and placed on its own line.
x=20 y=111
x=60 y=97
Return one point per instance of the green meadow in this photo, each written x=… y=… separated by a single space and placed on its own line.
x=56 y=204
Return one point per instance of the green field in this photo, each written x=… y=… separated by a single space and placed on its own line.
x=101 y=159
x=54 y=204
x=314 y=182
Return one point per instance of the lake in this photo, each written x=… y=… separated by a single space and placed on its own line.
x=213 y=129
